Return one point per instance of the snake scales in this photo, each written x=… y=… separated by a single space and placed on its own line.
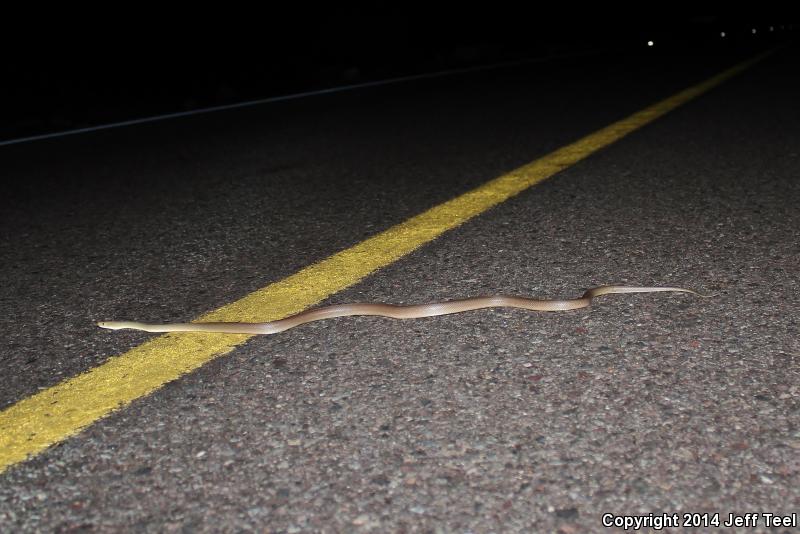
x=394 y=311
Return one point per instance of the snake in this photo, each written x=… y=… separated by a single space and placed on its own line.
x=414 y=311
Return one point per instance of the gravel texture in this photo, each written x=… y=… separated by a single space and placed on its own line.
x=489 y=421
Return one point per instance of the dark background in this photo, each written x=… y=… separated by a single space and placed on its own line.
x=59 y=77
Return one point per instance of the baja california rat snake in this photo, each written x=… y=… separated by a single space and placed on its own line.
x=390 y=310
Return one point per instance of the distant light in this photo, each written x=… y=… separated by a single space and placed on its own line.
x=650 y=43
x=722 y=34
x=753 y=30
x=772 y=28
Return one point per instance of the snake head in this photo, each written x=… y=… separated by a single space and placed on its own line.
x=113 y=325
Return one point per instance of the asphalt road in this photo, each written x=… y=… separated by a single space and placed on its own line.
x=490 y=421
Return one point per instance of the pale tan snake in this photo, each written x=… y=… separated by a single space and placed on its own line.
x=390 y=310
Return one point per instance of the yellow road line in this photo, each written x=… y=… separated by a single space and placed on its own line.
x=50 y=416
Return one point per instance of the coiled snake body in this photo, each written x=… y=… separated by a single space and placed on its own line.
x=390 y=310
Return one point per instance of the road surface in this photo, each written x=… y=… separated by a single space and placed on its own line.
x=494 y=420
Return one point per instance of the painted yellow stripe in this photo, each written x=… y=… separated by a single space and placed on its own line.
x=48 y=417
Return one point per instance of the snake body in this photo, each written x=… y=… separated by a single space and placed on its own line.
x=390 y=310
